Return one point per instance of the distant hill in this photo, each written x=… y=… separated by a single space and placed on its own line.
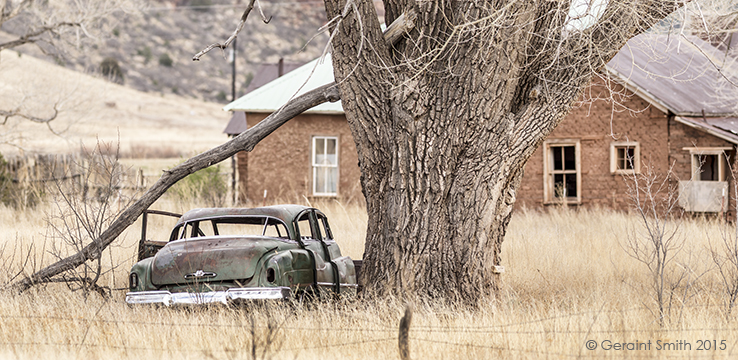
x=154 y=50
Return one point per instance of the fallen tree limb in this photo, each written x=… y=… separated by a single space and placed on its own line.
x=245 y=141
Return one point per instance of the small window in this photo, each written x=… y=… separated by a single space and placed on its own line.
x=325 y=166
x=562 y=171
x=625 y=158
x=709 y=164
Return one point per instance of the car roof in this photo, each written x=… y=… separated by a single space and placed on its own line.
x=286 y=212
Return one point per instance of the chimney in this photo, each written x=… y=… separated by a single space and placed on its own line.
x=280 y=67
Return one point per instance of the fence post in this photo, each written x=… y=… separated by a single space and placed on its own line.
x=404 y=333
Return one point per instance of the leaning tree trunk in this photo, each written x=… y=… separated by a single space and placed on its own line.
x=444 y=122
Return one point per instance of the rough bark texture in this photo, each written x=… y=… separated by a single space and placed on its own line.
x=445 y=120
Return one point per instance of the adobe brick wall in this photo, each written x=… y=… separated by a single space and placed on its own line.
x=597 y=123
x=281 y=162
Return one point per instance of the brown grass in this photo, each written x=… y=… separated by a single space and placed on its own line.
x=567 y=281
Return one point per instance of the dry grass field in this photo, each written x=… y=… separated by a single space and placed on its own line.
x=568 y=280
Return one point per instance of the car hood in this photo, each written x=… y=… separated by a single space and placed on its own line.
x=214 y=258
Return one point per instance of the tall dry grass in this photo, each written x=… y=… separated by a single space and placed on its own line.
x=568 y=280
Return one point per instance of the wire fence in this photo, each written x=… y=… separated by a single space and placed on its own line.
x=384 y=334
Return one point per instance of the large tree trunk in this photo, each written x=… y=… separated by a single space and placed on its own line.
x=445 y=121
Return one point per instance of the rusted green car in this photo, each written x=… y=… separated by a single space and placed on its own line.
x=221 y=255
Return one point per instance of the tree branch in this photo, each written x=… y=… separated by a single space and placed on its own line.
x=233 y=36
x=31 y=36
x=245 y=141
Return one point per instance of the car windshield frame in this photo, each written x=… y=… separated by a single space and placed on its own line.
x=180 y=232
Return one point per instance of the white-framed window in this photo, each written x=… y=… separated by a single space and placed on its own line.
x=709 y=164
x=625 y=157
x=562 y=180
x=325 y=165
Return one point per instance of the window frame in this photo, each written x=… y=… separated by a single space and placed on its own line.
x=549 y=195
x=721 y=152
x=614 y=146
x=315 y=167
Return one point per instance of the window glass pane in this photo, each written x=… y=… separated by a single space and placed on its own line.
x=331 y=185
x=319 y=149
x=557 y=163
x=331 y=155
x=570 y=162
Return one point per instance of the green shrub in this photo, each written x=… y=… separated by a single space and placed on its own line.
x=146 y=53
x=165 y=60
x=207 y=186
x=110 y=68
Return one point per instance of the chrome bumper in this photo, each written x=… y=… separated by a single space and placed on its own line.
x=223 y=297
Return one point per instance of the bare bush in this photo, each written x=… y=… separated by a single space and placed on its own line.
x=656 y=241
x=84 y=209
x=725 y=254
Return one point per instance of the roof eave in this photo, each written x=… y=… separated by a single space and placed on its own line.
x=641 y=92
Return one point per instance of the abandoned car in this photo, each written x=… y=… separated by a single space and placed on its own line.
x=220 y=255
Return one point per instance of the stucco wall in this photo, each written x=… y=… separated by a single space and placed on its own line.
x=281 y=163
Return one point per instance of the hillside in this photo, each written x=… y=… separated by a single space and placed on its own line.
x=154 y=48
x=92 y=109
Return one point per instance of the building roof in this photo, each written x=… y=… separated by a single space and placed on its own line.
x=267 y=73
x=237 y=124
x=274 y=94
x=685 y=76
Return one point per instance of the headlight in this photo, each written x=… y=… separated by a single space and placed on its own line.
x=271 y=275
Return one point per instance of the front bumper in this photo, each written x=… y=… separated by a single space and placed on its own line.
x=211 y=297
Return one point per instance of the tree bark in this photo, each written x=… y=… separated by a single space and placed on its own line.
x=445 y=120
x=245 y=141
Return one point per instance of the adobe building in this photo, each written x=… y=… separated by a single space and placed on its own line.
x=673 y=113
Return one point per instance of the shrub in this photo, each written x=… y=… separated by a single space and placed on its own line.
x=146 y=53
x=110 y=68
x=165 y=60
x=206 y=185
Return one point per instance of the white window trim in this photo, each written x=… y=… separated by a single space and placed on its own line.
x=636 y=157
x=722 y=160
x=314 y=166
x=548 y=190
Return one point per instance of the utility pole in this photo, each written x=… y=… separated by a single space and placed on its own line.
x=233 y=98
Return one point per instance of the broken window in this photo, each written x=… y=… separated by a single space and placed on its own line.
x=709 y=164
x=562 y=171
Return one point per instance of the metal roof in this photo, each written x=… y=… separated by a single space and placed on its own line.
x=237 y=124
x=276 y=93
x=682 y=75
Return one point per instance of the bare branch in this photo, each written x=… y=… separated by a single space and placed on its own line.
x=31 y=37
x=233 y=36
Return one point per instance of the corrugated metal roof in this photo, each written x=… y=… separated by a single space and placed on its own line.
x=679 y=74
x=273 y=95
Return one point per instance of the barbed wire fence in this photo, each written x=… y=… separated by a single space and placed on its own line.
x=385 y=334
